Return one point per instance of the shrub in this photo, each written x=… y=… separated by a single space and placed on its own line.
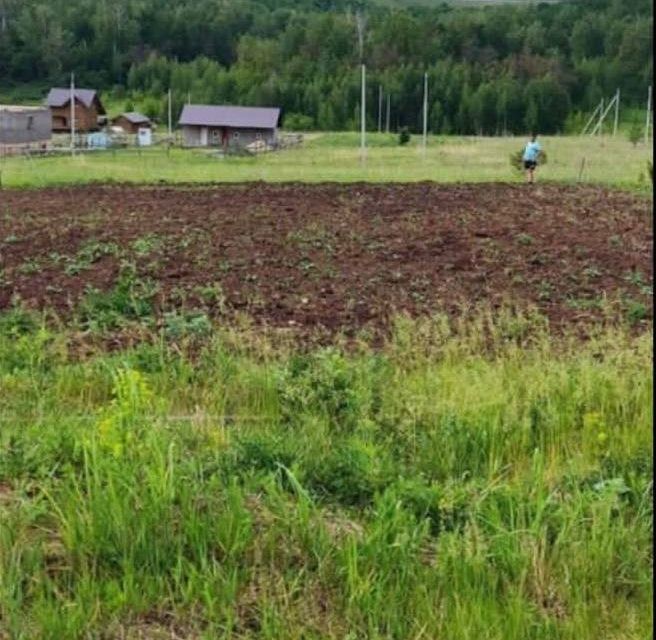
x=635 y=133
x=404 y=136
x=324 y=383
x=349 y=474
x=298 y=122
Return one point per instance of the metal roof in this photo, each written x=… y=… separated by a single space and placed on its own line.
x=58 y=97
x=134 y=117
x=228 y=116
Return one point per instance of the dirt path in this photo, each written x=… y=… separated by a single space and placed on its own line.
x=332 y=256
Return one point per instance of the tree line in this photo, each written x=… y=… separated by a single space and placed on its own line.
x=491 y=70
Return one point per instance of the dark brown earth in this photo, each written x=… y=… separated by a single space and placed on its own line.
x=333 y=256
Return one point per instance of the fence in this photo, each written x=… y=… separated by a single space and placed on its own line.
x=60 y=144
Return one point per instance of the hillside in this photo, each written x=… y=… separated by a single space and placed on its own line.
x=492 y=69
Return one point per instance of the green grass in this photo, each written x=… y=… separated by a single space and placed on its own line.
x=335 y=157
x=482 y=480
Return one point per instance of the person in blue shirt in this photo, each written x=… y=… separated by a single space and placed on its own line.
x=530 y=157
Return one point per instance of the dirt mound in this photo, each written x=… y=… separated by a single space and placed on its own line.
x=332 y=256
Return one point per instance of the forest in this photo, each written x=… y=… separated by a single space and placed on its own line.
x=491 y=70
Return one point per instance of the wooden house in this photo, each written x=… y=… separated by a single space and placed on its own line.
x=132 y=121
x=88 y=110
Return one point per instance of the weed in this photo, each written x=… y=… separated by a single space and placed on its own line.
x=89 y=254
x=636 y=311
x=212 y=295
x=129 y=299
x=146 y=245
x=525 y=239
x=591 y=272
x=545 y=290
x=187 y=323
x=30 y=266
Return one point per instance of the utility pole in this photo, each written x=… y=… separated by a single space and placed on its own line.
x=617 y=112
x=380 y=108
x=387 y=119
x=72 y=114
x=363 y=116
x=425 y=128
x=169 y=112
x=648 y=122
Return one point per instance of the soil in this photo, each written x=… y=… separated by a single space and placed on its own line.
x=333 y=257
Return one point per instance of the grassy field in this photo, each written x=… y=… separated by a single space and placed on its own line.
x=234 y=488
x=336 y=157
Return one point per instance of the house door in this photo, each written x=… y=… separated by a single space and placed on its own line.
x=203 y=136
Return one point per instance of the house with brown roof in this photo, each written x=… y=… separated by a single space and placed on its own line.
x=132 y=121
x=88 y=110
x=228 y=126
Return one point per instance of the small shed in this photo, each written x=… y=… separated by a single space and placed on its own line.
x=132 y=121
x=24 y=125
x=88 y=110
x=228 y=126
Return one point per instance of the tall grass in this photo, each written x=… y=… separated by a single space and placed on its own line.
x=460 y=482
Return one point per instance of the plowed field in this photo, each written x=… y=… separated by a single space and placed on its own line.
x=332 y=256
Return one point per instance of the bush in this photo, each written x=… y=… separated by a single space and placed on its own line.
x=350 y=475
x=262 y=453
x=325 y=383
x=635 y=133
x=404 y=136
x=298 y=122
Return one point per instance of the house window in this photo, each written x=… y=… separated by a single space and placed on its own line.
x=30 y=122
x=235 y=135
x=216 y=135
x=258 y=136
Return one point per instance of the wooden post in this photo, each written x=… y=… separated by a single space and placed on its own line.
x=72 y=114
x=425 y=127
x=600 y=123
x=363 y=116
x=617 y=112
x=591 y=120
x=602 y=116
x=581 y=169
x=648 y=122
